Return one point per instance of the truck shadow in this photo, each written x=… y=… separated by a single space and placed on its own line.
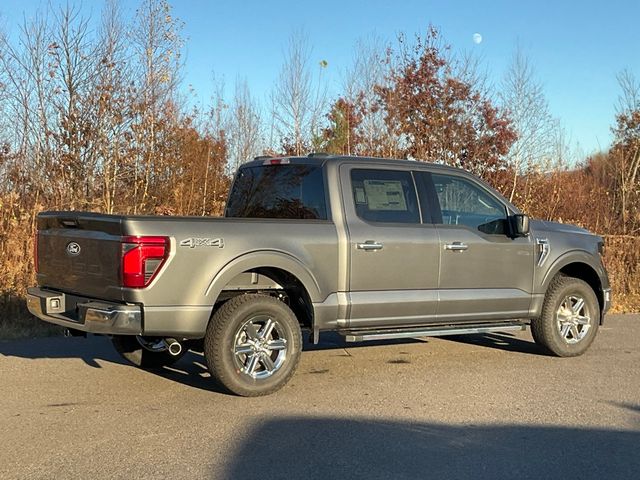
x=333 y=340
x=191 y=370
x=89 y=350
x=97 y=347
x=501 y=341
x=331 y=447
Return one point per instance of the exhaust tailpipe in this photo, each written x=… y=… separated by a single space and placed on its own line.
x=174 y=347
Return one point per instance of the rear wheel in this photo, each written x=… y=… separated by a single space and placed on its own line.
x=570 y=317
x=253 y=345
x=146 y=352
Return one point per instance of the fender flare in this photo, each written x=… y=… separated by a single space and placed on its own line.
x=573 y=256
x=263 y=259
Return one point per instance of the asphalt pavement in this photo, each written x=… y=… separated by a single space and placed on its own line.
x=477 y=406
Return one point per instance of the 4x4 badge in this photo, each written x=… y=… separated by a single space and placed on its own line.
x=202 y=242
x=73 y=249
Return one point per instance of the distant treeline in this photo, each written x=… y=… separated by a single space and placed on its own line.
x=98 y=119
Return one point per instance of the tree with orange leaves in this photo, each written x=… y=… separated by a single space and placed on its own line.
x=436 y=115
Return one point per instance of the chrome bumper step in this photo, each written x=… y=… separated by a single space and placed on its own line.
x=434 y=331
x=83 y=314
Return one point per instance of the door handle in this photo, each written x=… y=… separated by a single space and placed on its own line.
x=369 y=245
x=456 y=246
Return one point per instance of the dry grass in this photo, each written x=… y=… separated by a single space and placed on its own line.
x=16 y=274
x=16 y=321
x=622 y=259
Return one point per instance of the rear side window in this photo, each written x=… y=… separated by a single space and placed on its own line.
x=385 y=196
x=278 y=191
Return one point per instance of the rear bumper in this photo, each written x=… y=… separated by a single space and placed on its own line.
x=83 y=314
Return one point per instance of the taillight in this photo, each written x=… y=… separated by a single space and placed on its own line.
x=142 y=259
x=35 y=251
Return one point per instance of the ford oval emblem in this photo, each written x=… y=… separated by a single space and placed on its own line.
x=73 y=249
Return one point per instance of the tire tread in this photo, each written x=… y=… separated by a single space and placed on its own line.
x=543 y=328
x=214 y=346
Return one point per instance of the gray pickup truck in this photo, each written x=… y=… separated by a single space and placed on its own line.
x=365 y=247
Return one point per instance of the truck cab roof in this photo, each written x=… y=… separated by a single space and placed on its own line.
x=324 y=158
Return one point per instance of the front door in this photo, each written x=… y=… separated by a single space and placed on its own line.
x=484 y=272
x=393 y=256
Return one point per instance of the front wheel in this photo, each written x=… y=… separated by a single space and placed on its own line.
x=253 y=345
x=570 y=318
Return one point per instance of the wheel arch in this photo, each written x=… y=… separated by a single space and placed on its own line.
x=286 y=271
x=578 y=265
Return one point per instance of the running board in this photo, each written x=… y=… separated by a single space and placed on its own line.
x=435 y=331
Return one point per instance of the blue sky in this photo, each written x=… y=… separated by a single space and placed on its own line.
x=577 y=48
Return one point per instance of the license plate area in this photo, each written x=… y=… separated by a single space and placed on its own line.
x=54 y=303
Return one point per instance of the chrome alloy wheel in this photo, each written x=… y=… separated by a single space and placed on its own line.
x=573 y=319
x=259 y=347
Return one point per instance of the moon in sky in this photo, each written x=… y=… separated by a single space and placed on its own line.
x=477 y=38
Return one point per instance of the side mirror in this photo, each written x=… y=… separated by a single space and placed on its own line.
x=520 y=223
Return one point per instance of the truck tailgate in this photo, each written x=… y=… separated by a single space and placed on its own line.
x=80 y=253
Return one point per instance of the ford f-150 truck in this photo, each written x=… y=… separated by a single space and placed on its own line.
x=369 y=248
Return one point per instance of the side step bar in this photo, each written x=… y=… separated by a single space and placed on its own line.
x=435 y=331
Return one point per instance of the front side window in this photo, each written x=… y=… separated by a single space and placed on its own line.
x=384 y=196
x=278 y=191
x=464 y=203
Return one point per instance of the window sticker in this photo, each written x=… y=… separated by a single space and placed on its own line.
x=385 y=195
x=361 y=197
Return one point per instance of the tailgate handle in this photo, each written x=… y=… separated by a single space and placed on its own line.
x=69 y=223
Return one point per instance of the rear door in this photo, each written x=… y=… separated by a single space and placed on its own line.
x=484 y=272
x=393 y=256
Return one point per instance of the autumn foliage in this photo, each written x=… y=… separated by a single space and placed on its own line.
x=438 y=116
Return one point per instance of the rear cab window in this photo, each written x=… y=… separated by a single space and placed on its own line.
x=290 y=191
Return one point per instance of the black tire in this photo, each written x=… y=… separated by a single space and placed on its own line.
x=564 y=328
x=133 y=352
x=252 y=345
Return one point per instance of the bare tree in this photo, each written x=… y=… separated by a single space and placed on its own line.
x=244 y=126
x=113 y=100
x=625 y=153
x=298 y=100
x=157 y=42
x=470 y=68
x=4 y=93
x=629 y=98
x=28 y=87
x=523 y=96
x=366 y=71
x=217 y=154
x=72 y=55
